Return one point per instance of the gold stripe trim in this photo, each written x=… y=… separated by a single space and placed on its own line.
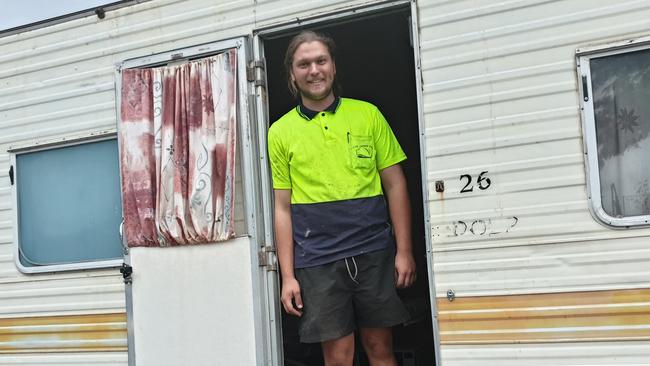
x=541 y=318
x=67 y=333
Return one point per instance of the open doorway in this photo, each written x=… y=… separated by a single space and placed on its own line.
x=375 y=63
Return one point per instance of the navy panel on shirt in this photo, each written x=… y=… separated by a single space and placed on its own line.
x=329 y=231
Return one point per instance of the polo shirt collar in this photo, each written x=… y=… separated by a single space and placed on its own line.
x=308 y=114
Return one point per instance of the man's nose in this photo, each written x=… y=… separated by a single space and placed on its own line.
x=313 y=68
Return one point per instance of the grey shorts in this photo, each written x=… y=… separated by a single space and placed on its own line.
x=349 y=293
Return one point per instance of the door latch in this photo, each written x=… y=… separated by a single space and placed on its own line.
x=126 y=272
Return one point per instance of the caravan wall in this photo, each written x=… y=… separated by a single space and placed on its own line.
x=532 y=277
x=544 y=284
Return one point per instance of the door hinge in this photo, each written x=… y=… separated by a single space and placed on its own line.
x=11 y=174
x=266 y=258
x=255 y=73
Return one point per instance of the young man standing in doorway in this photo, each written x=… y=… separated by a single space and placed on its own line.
x=339 y=261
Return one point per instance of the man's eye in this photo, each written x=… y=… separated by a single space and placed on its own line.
x=321 y=61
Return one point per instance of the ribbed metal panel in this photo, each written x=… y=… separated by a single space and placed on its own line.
x=567 y=354
x=72 y=333
x=546 y=318
x=501 y=96
x=563 y=266
x=72 y=359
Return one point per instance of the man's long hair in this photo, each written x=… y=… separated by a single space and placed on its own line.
x=304 y=37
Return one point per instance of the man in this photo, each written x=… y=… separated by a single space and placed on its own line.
x=339 y=261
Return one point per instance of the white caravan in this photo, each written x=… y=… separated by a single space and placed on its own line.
x=526 y=123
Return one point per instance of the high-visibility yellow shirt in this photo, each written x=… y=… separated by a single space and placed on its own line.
x=330 y=160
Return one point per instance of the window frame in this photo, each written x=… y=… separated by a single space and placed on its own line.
x=590 y=144
x=44 y=146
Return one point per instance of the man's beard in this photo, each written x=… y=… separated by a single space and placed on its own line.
x=306 y=94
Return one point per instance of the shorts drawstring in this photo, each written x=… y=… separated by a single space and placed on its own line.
x=356 y=270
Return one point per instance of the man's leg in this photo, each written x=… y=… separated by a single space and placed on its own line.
x=339 y=352
x=378 y=343
x=377 y=305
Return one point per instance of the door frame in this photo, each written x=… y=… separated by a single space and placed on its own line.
x=261 y=101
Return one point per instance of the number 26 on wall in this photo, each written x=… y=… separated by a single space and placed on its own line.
x=482 y=181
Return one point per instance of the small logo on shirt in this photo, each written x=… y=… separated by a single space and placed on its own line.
x=364 y=151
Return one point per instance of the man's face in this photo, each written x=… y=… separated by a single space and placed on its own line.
x=313 y=71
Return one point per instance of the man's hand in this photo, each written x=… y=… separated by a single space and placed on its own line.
x=291 y=293
x=405 y=273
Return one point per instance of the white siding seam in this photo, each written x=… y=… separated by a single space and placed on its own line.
x=544 y=330
x=546 y=289
x=541 y=23
x=559 y=67
x=112 y=305
x=43 y=280
x=525 y=242
x=47 y=134
x=60 y=114
x=513 y=166
x=546 y=308
x=61 y=96
x=59 y=81
x=494 y=143
x=529 y=46
x=534 y=210
x=565 y=258
x=471 y=12
x=501 y=96
x=503 y=120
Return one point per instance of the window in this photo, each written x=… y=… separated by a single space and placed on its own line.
x=616 y=104
x=68 y=207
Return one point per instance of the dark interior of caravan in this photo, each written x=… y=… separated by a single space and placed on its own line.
x=375 y=63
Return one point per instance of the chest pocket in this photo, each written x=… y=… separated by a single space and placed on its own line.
x=361 y=151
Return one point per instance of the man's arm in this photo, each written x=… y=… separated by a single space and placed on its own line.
x=400 y=214
x=284 y=243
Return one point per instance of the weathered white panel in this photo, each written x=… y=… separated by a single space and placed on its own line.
x=557 y=354
x=64 y=334
x=573 y=266
x=500 y=95
x=26 y=296
x=202 y=293
x=65 y=359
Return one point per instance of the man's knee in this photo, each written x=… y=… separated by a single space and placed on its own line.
x=339 y=352
x=378 y=343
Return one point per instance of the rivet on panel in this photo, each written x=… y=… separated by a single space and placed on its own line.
x=451 y=295
x=440 y=186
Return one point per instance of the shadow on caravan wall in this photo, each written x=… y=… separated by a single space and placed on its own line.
x=375 y=63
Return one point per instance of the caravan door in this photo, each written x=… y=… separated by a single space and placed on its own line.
x=206 y=304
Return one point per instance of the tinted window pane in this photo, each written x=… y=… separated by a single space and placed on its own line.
x=621 y=89
x=69 y=205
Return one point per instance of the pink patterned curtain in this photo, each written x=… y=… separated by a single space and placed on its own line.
x=177 y=152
